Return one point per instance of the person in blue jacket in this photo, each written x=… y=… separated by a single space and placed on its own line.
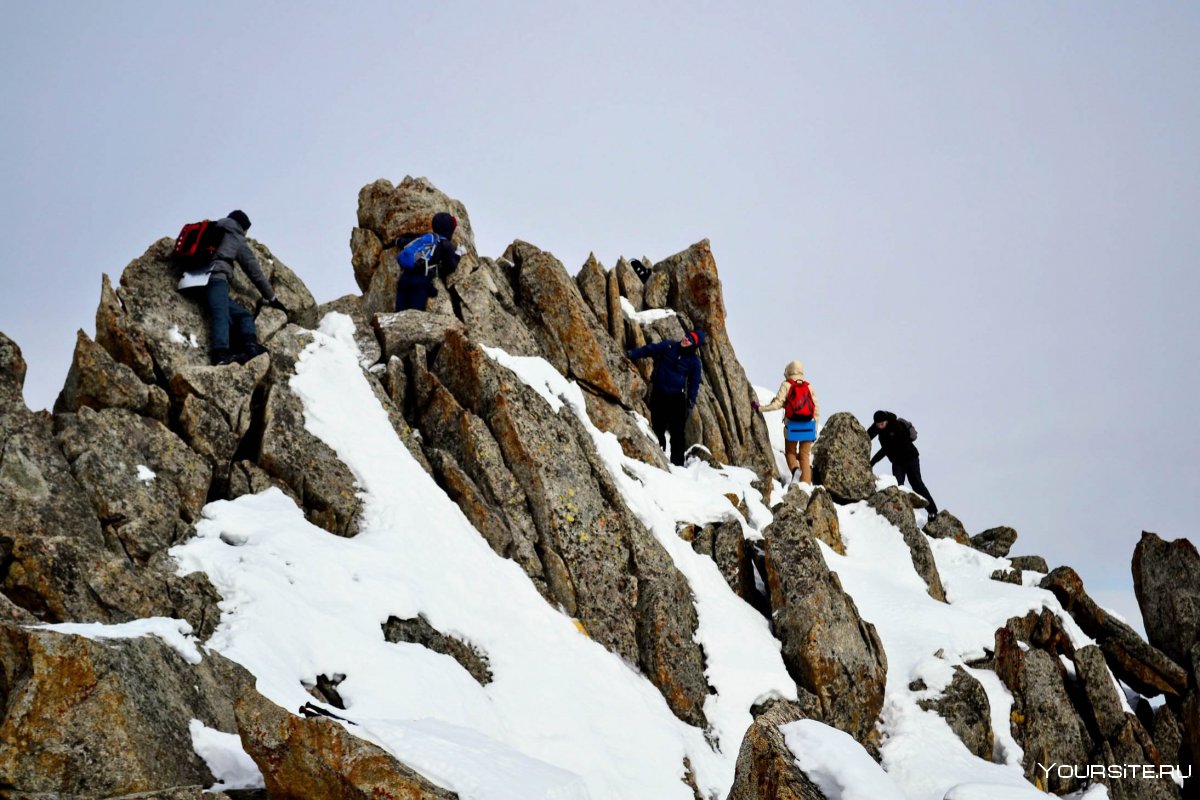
x=415 y=285
x=676 y=385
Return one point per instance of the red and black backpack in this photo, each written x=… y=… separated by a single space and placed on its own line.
x=799 y=406
x=197 y=245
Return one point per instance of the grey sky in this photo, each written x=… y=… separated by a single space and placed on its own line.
x=981 y=216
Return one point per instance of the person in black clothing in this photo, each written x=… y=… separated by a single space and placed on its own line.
x=415 y=286
x=676 y=385
x=895 y=442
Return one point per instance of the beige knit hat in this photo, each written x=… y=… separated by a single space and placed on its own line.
x=794 y=369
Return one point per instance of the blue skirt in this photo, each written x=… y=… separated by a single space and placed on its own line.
x=800 y=431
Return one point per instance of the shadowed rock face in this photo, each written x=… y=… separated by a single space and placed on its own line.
x=766 y=767
x=1145 y=668
x=1166 y=579
x=1044 y=722
x=101 y=719
x=306 y=758
x=827 y=647
x=965 y=707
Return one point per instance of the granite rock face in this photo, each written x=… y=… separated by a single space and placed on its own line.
x=102 y=719
x=306 y=758
x=842 y=459
x=827 y=647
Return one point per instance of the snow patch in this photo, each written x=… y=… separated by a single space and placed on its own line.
x=837 y=764
x=226 y=759
x=649 y=315
x=176 y=633
x=145 y=474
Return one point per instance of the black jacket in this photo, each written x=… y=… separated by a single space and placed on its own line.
x=895 y=442
x=675 y=370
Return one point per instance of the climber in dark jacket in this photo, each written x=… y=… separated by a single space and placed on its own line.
x=415 y=286
x=895 y=442
x=676 y=384
x=213 y=291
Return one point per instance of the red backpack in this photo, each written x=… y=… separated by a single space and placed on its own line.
x=799 y=406
x=197 y=244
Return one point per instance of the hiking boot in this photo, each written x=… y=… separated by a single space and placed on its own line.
x=795 y=476
x=222 y=357
x=251 y=349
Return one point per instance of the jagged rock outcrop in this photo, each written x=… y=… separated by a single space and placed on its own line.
x=102 y=719
x=1145 y=668
x=725 y=543
x=1044 y=722
x=892 y=504
x=597 y=559
x=291 y=454
x=55 y=560
x=827 y=647
x=965 y=707
x=766 y=767
x=842 y=459
x=1122 y=738
x=97 y=381
x=146 y=485
x=995 y=541
x=1166 y=579
x=303 y=758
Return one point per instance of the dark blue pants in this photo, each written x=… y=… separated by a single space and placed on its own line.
x=226 y=315
x=413 y=292
x=912 y=471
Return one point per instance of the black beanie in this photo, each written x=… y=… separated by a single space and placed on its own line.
x=240 y=218
x=444 y=224
x=881 y=416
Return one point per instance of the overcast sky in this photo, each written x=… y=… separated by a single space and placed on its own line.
x=980 y=216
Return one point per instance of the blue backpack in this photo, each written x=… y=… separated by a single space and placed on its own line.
x=418 y=253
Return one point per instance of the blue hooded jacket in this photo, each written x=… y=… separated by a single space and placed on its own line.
x=675 y=369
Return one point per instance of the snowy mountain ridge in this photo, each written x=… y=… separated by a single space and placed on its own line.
x=453 y=531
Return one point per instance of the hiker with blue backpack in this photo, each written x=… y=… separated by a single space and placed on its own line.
x=207 y=251
x=675 y=387
x=800 y=413
x=421 y=259
x=896 y=441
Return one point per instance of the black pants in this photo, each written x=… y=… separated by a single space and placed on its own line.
x=414 y=291
x=668 y=414
x=912 y=470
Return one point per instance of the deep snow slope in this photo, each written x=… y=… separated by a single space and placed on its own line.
x=563 y=717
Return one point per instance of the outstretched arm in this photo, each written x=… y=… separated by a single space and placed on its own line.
x=245 y=257
x=646 y=350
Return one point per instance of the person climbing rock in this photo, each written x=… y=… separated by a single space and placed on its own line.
x=421 y=259
x=896 y=437
x=796 y=398
x=676 y=385
x=210 y=286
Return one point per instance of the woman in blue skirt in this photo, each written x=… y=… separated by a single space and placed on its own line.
x=800 y=413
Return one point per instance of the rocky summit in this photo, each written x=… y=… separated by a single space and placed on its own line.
x=440 y=553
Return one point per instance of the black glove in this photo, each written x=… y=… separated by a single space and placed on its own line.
x=277 y=303
x=642 y=271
